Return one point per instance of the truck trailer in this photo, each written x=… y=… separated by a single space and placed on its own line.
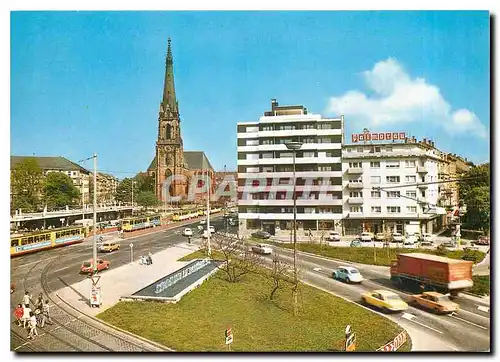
x=431 y=272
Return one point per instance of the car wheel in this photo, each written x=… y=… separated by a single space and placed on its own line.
x=385 y=310
x=347 y=280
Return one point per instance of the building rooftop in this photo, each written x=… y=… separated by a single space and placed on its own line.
x=49 y=163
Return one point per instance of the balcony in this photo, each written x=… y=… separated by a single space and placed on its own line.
x=355 y=171
x=423 y=186
x=421 y=169
x=355 y=185
x=355 y=200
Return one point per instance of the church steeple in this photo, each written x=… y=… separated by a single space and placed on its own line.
x=169 y=99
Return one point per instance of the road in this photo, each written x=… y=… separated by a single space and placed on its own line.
x=467 y=331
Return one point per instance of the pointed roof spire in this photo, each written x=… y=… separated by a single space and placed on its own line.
x=169 y=98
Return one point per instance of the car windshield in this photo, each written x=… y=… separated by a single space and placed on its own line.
x=353 y=271
x=86 y=264
x=443 y=298
x=392 y=297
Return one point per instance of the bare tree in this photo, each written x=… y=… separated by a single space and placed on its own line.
x=238 y=259
x=280 y=275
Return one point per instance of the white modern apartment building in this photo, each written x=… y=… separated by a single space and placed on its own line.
x=404 y=170
x=265 y=172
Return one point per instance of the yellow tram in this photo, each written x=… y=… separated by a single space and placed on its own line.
x=140 y=222
x=47 y=239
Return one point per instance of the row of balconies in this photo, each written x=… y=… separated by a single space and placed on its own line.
x=288 y=202
x=360 y=185
x=359 y=170
x=360 y=200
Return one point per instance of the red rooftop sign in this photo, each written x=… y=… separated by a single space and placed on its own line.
x=378 y=136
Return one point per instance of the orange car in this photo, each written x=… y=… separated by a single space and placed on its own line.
x=435 y=301
x=88 y=266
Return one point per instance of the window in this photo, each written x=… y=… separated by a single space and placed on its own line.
x=377 y=149
x=286 y=127
x=392 y=164
x=355 y=164
x=267 y=128
x=375 y=179
x=356 y=209
x=393 y=209
x=268 y=142
x=359 y=149
x=286 y=154
x=375 y=164
x=388 y=149
x=375 y=194
x=325 y=140
x=252 y=142
x=308 y=126
x=324 y=168
x=423 y=193
x=393 y=194
x=355 y=194
x=376 y=209
x=410 y=163
x=334 y=153
x=411 y=209
x=411 y=194
x=355 y=180
x=392 y=179
x=309 y=140
x=410 y=179
x=308 y=154
x=282 y=141
x=267 y=155
x=324 y=126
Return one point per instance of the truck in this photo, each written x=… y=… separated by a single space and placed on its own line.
x=431 y=272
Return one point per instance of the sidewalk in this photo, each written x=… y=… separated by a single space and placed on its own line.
x=125 y=280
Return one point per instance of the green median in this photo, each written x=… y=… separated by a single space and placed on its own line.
x=198 y=321
x=375 y=256
x=481 y=285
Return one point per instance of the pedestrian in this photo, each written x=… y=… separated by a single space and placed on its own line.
x=26 y=298
x=150 y=257
x=32 y=325
x=46 y=314
x=39 y=302
x=12 y=287
x=26 y=315
x=18 y=314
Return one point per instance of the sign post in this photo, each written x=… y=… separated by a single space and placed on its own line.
x=350 y=339
x=229 y=338
x=131 y=252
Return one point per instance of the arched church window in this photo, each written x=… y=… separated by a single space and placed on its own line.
x=168 y=132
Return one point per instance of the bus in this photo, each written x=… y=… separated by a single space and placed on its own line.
x=46 y=239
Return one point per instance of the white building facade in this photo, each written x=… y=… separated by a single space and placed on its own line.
x=404 y=172
x=265 y=172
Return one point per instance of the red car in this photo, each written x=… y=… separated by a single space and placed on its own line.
x=483 y=240
x=88 y=266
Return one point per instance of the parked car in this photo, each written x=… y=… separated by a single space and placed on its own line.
x=366 y=237
x=187 y=232
x=347 y=274
x=436 y=302
x=261 y=234
x=203 y=222
x=109 y=246
x=380 y=237
x=410 y=244
x=426 y=239
x=262 y=249
x=386 y=300
x=333 y=236
x=356 y=243
x=397 y=238
x=211 y=228
x=483 y=240
x=450 y=244
x=88 y=266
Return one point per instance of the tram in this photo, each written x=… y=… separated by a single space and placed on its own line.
x=185 y=215
x=140 y=222
x=47 y=239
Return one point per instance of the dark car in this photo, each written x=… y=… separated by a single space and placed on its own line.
x=356 y=243
x=483 y=240
x=261 y=234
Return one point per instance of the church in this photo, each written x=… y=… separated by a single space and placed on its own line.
x=170 y=157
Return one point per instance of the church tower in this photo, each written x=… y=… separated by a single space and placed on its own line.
x=169 y=147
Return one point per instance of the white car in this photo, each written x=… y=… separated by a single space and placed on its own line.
x=347 y=274
x=187 y=232
x=427 y=239
x=203 y=222
x=397 y=238
x=212 y=229
x=262 y=249
x=411 y=239
x=365 y=236
x=409 y=244
x=333 y=236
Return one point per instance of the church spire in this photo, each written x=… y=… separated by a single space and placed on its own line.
x=169 y=98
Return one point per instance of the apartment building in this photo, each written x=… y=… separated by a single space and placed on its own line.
x=387 y=184
x=106 y=188
x=265 y=172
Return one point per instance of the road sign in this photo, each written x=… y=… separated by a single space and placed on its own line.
x=350 y=342
x=95 y=296
x=229 y=336
x=394 y=344
x=131 y=245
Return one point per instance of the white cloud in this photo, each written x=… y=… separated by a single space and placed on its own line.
x=399 y=99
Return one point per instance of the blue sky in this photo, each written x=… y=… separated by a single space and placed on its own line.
x=85 y=82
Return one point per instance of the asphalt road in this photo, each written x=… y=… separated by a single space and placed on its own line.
x=468 y=330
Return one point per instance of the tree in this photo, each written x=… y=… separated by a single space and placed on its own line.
x=238 y=259
x=26 y=180
x=59 y=190
x=474 y=192
x=144 y=182
x=280 y=275
x=147 y=199
x=124 y=190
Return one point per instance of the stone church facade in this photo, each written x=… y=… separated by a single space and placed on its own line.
x=170 y=157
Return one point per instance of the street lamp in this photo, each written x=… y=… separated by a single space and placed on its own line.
x=133 y=182
x=294 y=146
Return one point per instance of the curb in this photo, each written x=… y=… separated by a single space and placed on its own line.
x=158 y=345
x=476 y=298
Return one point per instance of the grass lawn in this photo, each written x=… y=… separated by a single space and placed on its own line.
x=365 y=255
x=481 y=285
x=198 y=321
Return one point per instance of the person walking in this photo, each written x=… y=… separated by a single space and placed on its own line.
x=39 y=302
x=46 y=314
x=26 y=315
x=150 y=257
x=32 y=325
x=26 y=298
x=18 y=314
